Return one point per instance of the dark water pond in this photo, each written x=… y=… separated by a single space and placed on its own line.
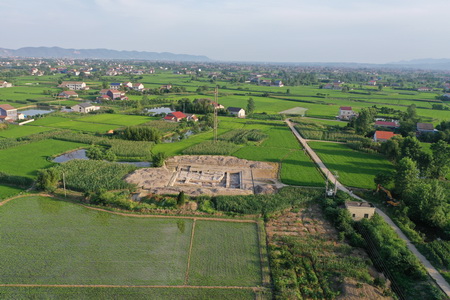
x=81 y=154
x=33 y=112
x=159 y=110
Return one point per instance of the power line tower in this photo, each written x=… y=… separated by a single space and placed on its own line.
x=216 y=122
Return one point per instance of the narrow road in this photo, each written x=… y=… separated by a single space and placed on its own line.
x=444 y=285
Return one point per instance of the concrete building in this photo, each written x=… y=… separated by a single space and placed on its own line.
x=7 y=112
x=84 y=107
x=74 y=85
x=360 y=210
x=346 y=113
x=237 y=111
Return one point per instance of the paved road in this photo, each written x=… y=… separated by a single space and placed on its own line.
x=430 y=269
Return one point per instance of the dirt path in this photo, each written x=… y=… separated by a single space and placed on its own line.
x=440 y=281
x=253 y=288
x=186 y=277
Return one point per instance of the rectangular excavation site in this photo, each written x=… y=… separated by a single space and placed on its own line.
x=208 y=175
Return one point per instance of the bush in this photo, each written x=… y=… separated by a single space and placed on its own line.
x=159 y=159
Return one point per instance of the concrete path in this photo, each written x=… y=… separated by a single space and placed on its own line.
x=430 y=269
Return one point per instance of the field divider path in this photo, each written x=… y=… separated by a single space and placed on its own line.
x=434 y=274
x=186 y=277
x=253 y=288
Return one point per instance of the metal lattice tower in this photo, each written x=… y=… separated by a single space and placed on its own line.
x=216 y=123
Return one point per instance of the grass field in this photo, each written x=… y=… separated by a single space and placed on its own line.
x=230 y=256
x=116 y=119
x=355 y=169
x=26 y=159
x=124 y=293
x=15 y=131
x=7 y=191
x=39 y=234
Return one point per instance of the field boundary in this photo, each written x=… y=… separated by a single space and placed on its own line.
x=186 y=277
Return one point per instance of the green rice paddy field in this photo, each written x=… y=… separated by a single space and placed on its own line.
x=47 y=241
x=355 y=168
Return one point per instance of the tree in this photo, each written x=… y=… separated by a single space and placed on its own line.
x=95 y=152
x=427 y=203
x=441 y=159
x=380 y=87
x=48 y=179
x=363 y=123
x=109 y=155
x=250 y=106
x=391 y=148
x=383 y=178
x=181 y=199
x=410 y=147
x=406 y=175
x=159 y=159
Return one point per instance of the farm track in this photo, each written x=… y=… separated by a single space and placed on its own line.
x=437 y=277
x=253 y=288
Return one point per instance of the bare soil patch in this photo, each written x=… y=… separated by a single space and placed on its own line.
x=207 y=175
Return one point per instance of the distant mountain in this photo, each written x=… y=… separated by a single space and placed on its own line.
x=57 y=52
x=426 y=63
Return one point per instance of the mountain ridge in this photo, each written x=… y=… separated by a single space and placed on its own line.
x=99 y=53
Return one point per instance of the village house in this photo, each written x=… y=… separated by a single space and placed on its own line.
x=383 y=136
x=116 y=94
x=424 y=89
x=237 y=111
x=84 y=107
x=191 y=117
x=386 y=124
x=128 y=84
x=175 y=116
x=278 y=83
x=74 y=85
x=68 y=94
x=5 y=84
x=360 y=210
x=346 y=113
x=372 y=82
x=8 y=113
x=165 y=87
x=115 y=86
x=425 y=127
x=217 y=105
x=138 y=86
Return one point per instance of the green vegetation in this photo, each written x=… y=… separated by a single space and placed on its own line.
x=212 y=148
x=7 y=191
x=92 y=176
x=15 y=131
x=355 y=169
x=125 y=293
x=314 y=130
x=242 y=136
x=228 y=257
x=39 y=234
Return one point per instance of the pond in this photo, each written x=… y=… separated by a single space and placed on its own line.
x=177 y=138
x=33 y=112
x=81 y=154
x=159 y=110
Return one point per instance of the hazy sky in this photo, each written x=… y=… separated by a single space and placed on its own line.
x=375 y=31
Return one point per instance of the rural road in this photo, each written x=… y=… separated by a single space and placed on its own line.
x=444 y=285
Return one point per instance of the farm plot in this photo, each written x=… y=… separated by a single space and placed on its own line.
x=136 y=257
x=124 y=293
x=25 y=160
x=355 y=169
x=228 y=257
x=116 y=119
x=7 y=191
x=15 y=131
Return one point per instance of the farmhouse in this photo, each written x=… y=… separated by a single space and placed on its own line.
x=74 y=85
x=5 y=84
x=116 y=94
x=175 y=116
x=217 y=105
x=115 y=86
x=372 y=82
x=278 y=83
x=237 y=111
x=385 y=124
x=128 y=84
x=191 y=117
x=68 y=94
x=360 y=210
x=346 y=113
x=383 y=136
x=425 y=127
x=138 y=86
x=7 y=112
x=84 y=107
x=424 y=89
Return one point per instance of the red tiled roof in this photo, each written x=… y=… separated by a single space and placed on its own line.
x=384 y=135
x=169 y=117
x=385 y=123
x=6 y=107
x=345 y=108
x=178 y=114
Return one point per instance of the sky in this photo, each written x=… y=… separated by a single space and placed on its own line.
x=375 y=31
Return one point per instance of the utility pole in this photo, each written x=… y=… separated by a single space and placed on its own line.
x=216 y=96
x=64 y=185
x=326 y=185
x=336 y=176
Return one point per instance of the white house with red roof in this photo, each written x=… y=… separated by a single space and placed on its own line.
x=8 y=113
x=346 y=113
x=175 y=116
x=383 y=136
x=138 y=86
x=5 y=84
